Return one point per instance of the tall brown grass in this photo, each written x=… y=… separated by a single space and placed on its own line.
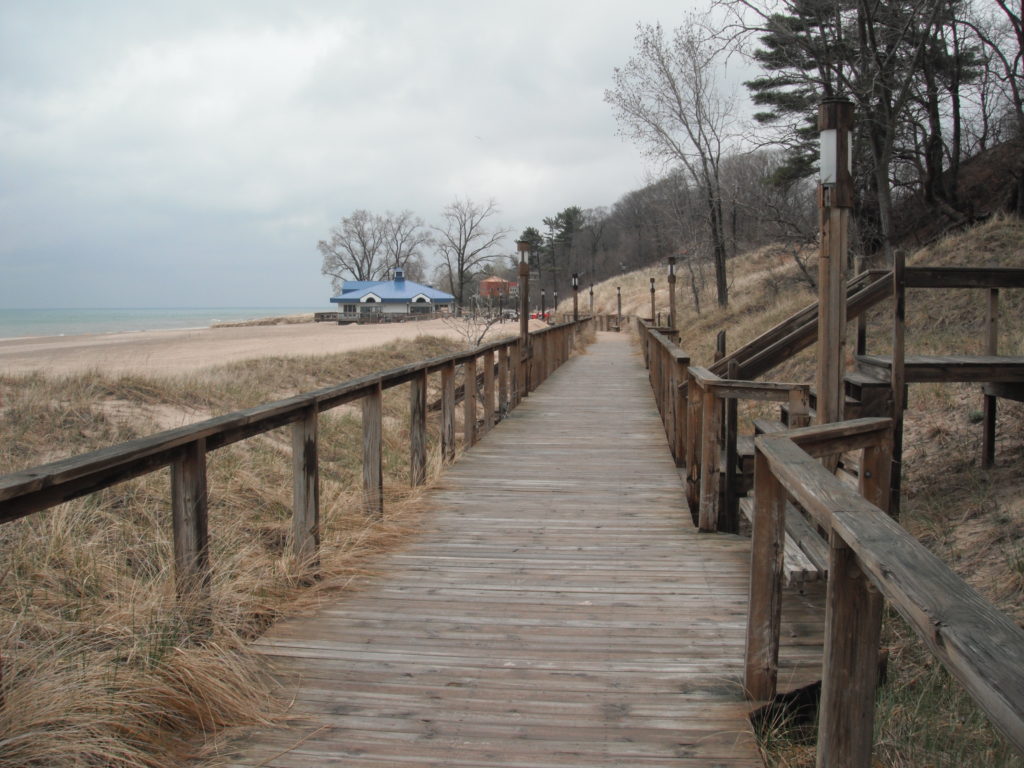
x=100 y=664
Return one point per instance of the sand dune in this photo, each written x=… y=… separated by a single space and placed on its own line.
x=167 y=352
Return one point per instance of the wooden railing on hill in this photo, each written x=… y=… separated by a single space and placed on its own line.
x=871 y=557
x=800 y=330
x=184 y=449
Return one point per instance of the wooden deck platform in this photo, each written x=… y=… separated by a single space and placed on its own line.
x=559 y=609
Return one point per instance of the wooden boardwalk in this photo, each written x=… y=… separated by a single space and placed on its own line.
x=559 y=609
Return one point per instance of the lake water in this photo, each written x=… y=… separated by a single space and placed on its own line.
x=64 y=322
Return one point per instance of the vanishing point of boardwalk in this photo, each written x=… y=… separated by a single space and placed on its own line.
x=559 y=609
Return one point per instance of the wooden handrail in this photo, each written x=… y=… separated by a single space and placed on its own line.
x=963 y=277
x=705 y=392
x=184 y=449
x=870 y=556
x=799 y=331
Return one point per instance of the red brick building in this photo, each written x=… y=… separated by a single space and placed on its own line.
x=493 y=287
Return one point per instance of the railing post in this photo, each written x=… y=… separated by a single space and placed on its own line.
x=853 y=626
x=469 y=403
x=764 y=610
x=711 y=431
x=679 y=396
x=488 y=390
x=190 y=520
x=875 y=466
x=373 y=476
x=799 y=408
x=729 y=515
x=988 y=441
x=448 y=412
x=516 y=374
x=418 y=429
x=503 y=402
x=694 y=425
x=305 y=489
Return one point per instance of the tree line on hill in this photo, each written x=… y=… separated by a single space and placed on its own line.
x=934 y=83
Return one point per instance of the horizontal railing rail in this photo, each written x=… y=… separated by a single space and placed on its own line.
x=870 y=558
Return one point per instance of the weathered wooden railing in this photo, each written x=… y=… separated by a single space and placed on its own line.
x=708 y=398
x=667 y=365
x=507 y=373
x=871 y=558
x=692 y=401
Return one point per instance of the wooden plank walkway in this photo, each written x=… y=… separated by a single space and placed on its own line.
x=560 y=609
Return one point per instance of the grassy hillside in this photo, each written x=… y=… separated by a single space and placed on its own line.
x=971 y=518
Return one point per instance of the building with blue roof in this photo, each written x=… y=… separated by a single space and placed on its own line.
x=360 y=298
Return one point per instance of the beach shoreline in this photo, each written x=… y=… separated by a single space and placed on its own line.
x=180 y=351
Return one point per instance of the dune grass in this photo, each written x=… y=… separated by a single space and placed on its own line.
x=100 y=663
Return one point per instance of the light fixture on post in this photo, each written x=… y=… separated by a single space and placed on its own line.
x=554 y=306
x=653 y=317
x=672 y=292
x=543 y=304
x=575 y=297
x=618 y=303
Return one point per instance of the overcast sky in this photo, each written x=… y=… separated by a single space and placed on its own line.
x=192 y=153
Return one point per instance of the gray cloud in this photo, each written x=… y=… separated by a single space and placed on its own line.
x=193 y=153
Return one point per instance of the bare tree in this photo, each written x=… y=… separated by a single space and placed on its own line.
x=465 y=241
x=668 y=101
x=356 y=249
x=405 y=237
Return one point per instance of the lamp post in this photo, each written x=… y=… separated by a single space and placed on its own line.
x=672 y=292
x=652 y=302
x=618 y=303
x=554 y=306
x=591 y=299
x=523 y=246
x=835 y=198
x=575 y=297
x=543 y=302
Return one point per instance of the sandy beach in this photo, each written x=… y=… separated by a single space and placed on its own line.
x=168 y=352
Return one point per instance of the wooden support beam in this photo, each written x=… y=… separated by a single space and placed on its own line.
x=764 y=610
x=897 y=376
x=448 y=413
x=694 y=443
x=729 y=517
x=305 y=490
x=503 y=370
x=189 y=514
x=488 y=390
x=418 y=430
x=853 y=625
x=711 y=429
x=469 y=432
x=988 y=440
x=373 y=475
x=679 y=395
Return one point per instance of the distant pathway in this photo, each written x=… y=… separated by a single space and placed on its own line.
x=559 y=610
